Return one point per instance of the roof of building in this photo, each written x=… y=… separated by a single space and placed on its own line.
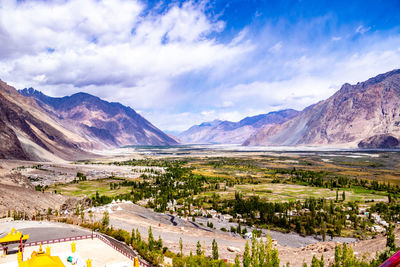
x=13 y=236
x=42 y=259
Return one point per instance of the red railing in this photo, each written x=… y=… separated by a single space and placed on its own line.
x=393 y=261
x=105 y=240
x=98 y=236
x=59 y=240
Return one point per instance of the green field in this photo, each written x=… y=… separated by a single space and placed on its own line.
x=291 y=192
x=89 y=188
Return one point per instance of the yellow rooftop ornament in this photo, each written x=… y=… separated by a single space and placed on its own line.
x=136 y=262
x=73 y=247
x=13 y=237
x=41 y=259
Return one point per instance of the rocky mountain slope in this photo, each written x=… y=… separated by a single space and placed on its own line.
x=27 y=132
x=367 y=111
x=227 y=132
x=103 y=123
x=17 y=193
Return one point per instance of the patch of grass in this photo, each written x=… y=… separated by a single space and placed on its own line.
x=287 y=192
x=89 y=188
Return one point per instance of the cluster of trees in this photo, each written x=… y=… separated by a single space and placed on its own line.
x=344 y=256
x=148 y=170
x=199 y=259
x=390 y=212
x=326 y=180
x=114 y=186
x=261 y=254
x=313 y=216
x=153 y=251
x=233 y=163
x=41 y=188
x=176 y=184
x=80 y=177
x=180 y=185
x=148 y=162
x=17 y=215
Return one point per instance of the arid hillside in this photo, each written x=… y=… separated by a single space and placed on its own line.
x=28 y=132
x=19 y=195
x=353 y=114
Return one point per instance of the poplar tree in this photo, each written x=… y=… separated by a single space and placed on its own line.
x=181 y=246
x=390 y=238
x=237 y=261
x=246 y=256
x=215 y=250
x=150 y=239
x=198 y=249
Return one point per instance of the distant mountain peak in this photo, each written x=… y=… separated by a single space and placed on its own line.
x=219 y=131
x=106 y=123
x=30 y=92
x=210 y=123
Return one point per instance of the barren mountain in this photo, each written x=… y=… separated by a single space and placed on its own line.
x=104 y=124
x=227 y=132
x=27 y=132
x=352 y=114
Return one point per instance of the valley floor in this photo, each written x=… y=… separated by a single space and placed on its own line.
x=60 y=185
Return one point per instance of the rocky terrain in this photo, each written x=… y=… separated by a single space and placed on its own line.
x=384 y=141
x=17 y=193
x=105 y=124
x=353 y=114
x=227 y=132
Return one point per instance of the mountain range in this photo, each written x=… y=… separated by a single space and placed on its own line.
x=366 y=115
x=228 y=132
x=34 y=126
x=28 y=132
x=104 y=124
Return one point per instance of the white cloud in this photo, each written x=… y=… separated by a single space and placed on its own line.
x=89 y=45
x=296 y=92
x=226 y=104
x=276 y=48
x=362 y=29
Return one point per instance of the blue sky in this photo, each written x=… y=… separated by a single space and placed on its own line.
x=180 y=63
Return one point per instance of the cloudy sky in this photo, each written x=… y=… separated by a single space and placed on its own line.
x=180 y=63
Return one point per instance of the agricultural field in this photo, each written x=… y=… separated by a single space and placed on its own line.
x=90 y=187
x=291 y=192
